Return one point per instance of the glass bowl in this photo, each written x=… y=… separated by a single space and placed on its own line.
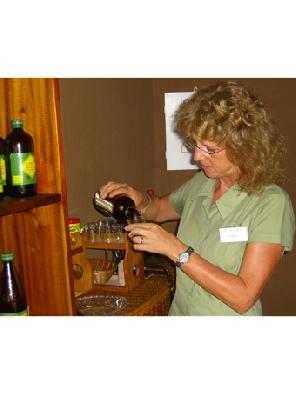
x=99 y=304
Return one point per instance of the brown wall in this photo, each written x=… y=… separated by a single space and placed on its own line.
x=114 y=129
x=107 y=129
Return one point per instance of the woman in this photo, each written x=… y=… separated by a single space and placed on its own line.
x=235 y=221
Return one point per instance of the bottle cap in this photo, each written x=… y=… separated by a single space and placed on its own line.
x=7 y=257
x=103 y=206
x=17 y=123
x=74 y=221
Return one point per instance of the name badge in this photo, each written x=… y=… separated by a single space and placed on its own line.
x=234 y=234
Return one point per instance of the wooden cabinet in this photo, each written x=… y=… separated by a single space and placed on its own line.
x=35 y=229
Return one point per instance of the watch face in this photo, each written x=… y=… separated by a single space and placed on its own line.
x=184 y=257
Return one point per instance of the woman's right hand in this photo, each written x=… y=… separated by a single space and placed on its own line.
x=111 y=189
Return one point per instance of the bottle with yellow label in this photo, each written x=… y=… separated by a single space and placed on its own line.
x=2 y=169
x=20 y=162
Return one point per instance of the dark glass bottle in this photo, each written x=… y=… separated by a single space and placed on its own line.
x=2 y=169
x=122 y=208
x=12 y=297
x=20 y=162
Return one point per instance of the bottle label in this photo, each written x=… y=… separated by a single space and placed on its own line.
x=2 y=170
x=74 y=228
x=23 y=169
x=23 y=313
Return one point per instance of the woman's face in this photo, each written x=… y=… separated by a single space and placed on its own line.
x=215 y=165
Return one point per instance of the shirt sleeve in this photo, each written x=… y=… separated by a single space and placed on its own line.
x=274 y=221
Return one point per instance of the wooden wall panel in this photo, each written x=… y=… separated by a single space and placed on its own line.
x=39 y=237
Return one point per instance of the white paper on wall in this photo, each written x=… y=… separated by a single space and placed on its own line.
x=177 y=156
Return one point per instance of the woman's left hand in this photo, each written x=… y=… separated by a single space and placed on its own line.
x=152 y=238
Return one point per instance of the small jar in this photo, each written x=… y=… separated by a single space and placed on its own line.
x=74 y=225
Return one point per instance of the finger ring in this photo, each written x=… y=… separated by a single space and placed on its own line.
x=142 y=239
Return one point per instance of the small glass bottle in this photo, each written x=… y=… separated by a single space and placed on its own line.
x=20 y=162
x=74 y=227
x=12 y=296
x=121 y=207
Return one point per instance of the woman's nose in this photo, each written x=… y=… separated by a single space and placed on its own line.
x=198 y=155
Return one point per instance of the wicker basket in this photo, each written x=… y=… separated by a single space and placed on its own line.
x=150 y=298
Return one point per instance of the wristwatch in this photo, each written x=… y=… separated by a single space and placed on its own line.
x=184 y=257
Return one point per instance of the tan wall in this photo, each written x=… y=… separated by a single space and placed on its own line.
x=107 y=128
x=115 y=129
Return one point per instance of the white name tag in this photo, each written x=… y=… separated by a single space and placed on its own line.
x=234 y=234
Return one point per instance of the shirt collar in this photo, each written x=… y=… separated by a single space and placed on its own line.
x=230 y=200
x=225 y=205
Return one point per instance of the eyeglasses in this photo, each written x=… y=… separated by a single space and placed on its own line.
x=206 y=150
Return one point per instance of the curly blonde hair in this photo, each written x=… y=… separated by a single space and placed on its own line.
x=229 y=115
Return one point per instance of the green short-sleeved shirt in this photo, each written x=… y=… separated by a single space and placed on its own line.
x=269 y=217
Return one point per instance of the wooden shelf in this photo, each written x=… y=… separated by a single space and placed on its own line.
x=106 y=246
x=13 y=206
x=77 y=250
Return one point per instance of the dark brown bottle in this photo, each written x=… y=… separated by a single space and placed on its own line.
x=20 y=162
x=2 y=169
x=12 y=297
x=122 y=208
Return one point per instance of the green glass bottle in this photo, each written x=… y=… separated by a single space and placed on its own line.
x=20 y=162
x=121 y=207
x=12 y=296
